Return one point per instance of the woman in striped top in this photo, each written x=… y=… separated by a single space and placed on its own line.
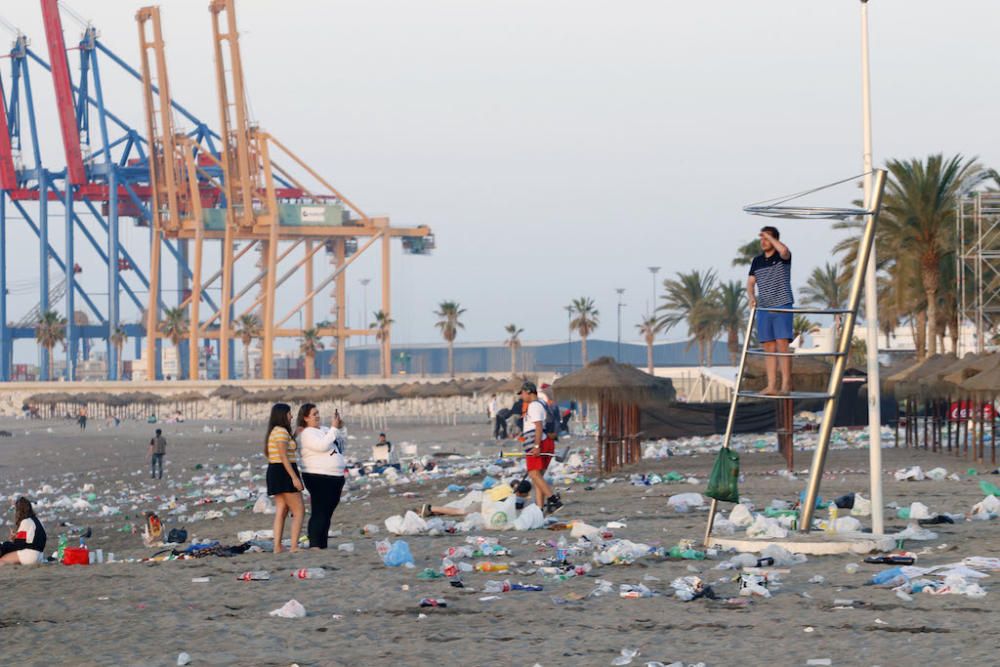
x=283 y=479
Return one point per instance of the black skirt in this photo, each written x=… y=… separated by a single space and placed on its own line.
x=278 y=480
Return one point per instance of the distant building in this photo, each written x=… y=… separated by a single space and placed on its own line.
x=548 y=356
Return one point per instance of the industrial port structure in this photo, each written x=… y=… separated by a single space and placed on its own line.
x=207 y=198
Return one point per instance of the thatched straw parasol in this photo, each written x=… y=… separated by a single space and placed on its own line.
x=229 y=392
x=379 y=393
x=984 y=383
x=965 y=370
x=605 y=379
x=907 y=384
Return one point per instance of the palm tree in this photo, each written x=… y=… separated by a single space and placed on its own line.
x=118 y=338
x=449 y=324
x=49 y=330
x=174 y=326
x=514 y=343
x=648 y=328
x=746 y=252
x=802 y=325
x=310 y=343
x=732 y=303
x=916 y=234
x=247 y=327
x=691 y=297
x=586 y=319
x=381 y=325
x=827 y=288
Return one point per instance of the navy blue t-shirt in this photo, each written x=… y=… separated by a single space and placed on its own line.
x=774 y=280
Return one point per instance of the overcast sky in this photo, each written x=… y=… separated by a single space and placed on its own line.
x=558 y=148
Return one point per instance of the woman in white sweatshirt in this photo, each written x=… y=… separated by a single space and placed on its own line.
x=321 y=452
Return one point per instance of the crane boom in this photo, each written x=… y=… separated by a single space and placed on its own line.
x=8 y=177
x=64 y=92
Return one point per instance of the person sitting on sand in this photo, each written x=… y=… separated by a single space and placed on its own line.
x=283 y=480
x=27 y=539
x=522 y=490
x=323 y=469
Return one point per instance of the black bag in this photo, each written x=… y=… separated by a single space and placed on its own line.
x=723 y=483
x=177 y=536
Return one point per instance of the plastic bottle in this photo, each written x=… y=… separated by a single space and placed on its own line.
x=525 y=587
x=433 y=602
x=886 y=576
x=497 y=586
x=63 y=543
x=382 y=547
x=765 y=562
x=309 y=573
x=255 y=575
x=448 y=568
x=465 y=567
x=487 y=566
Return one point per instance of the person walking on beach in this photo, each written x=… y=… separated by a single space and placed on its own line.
x=770 y=286
x=491 y=408
x=538 y=448
x=157 y=450
x=283 y=480
x=81 y=418
x=27 y=539
x=323 y=468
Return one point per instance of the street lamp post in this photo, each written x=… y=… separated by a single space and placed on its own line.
x=653 y=270
x=871 y=295
x=569 y=338
x=364 y=322
x=621 y=292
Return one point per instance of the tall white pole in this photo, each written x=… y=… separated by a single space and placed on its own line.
x=871 y=297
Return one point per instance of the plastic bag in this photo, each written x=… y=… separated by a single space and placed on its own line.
x=723 y=483
x=681 y=502
x=411 y=524
x=862 y=506
x=582 y=529
x=263 y=505
x=741 y=516
x=399 y=554
x=499 y=514
x=531 y=517
x=291 y=609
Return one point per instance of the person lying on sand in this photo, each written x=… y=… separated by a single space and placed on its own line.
x=522 y=490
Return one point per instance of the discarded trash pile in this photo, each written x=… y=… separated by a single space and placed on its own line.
x=841 y=438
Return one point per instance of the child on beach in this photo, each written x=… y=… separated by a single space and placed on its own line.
x=27 y=540
x=283 y=480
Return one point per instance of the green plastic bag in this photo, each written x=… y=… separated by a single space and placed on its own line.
x=723 y=483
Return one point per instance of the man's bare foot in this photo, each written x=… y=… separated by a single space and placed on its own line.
x=782 y=392
x=769 y=391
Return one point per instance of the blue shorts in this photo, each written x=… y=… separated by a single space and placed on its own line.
x=774 y=326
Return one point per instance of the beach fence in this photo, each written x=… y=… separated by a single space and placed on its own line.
x=948 y=405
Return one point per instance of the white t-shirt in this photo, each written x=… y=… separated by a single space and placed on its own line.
x=534 y=415
x=321 y=451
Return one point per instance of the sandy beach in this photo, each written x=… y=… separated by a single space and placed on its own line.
x=363 y=612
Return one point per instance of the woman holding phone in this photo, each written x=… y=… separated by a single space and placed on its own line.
x=283 y=480
x=323 y=467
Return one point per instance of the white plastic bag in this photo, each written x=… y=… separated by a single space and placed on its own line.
x=862 y=506
x=682 y=502
x=531 y=517
x=263 y=505
x=499 y=515
x=919 y=511
x=766 y=527
x=582 y=529
x=291 y=609
x=740 y=516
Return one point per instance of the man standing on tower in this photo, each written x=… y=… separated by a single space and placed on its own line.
x=771 y=275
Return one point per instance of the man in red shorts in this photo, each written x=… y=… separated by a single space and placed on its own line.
x=538 y=448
